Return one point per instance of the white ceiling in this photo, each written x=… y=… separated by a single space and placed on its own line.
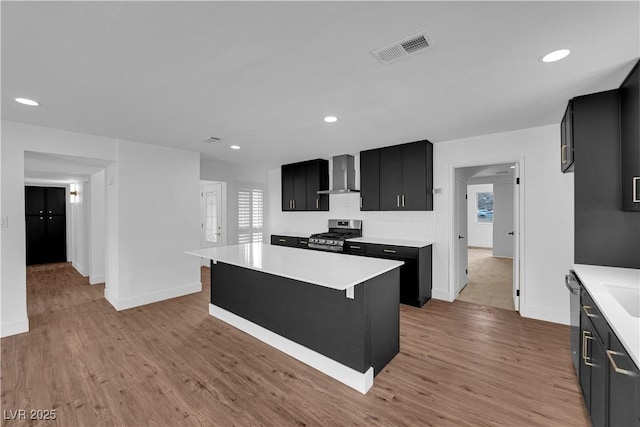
x=263 y=74
x=44 y=167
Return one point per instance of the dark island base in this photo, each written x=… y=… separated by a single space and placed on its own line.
x=360 y=333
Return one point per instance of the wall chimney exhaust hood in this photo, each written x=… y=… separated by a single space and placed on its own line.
x=344 y=176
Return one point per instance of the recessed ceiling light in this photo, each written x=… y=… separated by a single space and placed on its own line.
x=556 y=55
x=26 y=101
x=330 y=119
x=235 y=147
x=512 y=167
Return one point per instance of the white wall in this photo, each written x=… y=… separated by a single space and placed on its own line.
x=402 y=225
x=16 y=138
x=97 y=228
x=158 y=219
x=480 y=234
x=152 y=217
x=503 y=220
x=547 y=246
x=80 y=230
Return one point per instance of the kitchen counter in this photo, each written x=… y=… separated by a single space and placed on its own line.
x=327 y=269
x=596 y=280
x=392 y=241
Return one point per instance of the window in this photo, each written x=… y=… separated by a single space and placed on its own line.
x=484 y=208
x=212 y=228
x=250 y=216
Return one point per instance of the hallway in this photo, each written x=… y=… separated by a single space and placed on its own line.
x=490 y=280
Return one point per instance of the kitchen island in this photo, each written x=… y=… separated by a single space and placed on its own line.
x=337 y=313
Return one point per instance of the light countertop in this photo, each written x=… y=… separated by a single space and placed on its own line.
x=596 y=279
x=335 y=271
x=392 y=241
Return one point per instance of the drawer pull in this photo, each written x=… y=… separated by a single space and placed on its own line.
x=354 y=247
x=563 y=154
x=585 y=308
x=585 y=350
x=390 y=251
x=635 y=198
x=282 y=240
x=304 y=242
x=610 y=354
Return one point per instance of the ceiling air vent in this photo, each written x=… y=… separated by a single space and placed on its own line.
x=403 y=48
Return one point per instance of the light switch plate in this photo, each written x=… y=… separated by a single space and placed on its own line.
x=4 y=222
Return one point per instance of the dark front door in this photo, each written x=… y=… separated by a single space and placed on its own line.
x=45 y=222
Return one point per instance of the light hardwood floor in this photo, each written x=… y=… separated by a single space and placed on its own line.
x=170 y=363
x=490 y=280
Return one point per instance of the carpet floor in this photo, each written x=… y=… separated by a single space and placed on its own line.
x=490 y=280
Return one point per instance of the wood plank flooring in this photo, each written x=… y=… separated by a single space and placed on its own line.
x=171 y=364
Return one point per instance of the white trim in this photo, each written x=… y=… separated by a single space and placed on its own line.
x=545 y=314
x=124 y=304
x=97 y=279
x=79 y=268
x=14 y=328
x=442 y=295
x=346 y=375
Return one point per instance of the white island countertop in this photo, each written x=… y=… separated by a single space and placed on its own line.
x=331 y=270
x=598 y=281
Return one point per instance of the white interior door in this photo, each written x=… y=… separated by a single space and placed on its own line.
x=461 y=235
x=516 y=238
x=211 y=202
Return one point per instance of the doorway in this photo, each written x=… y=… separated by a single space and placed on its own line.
x=213 y=215
x=486 y=238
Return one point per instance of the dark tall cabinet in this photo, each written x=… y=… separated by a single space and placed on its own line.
x=370 y=180
x=45 y=223
x=630 y=141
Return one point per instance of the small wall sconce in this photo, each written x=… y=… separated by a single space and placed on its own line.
x=73 y=193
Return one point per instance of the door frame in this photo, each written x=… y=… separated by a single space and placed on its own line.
x=520 y=237
x=460 y=216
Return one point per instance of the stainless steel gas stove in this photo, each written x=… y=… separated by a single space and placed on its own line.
x=339 y=231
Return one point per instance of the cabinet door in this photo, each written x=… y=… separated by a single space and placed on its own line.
x=56 y=245
x=599 y=367
x=55 y=201
x=630 y=141
x=390 y=178
x=34 y=198
x=624 y=386
x=36 y=239
x=586 y=333
x=414 y=177
x=317 y=178
x=566 y=139
x=287 y=187
x=300 y=187
x=370 y=180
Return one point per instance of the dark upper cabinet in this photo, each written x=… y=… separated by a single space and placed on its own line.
x=370 y=180
x=405 y=177
x=630 y=141
x=317 y=173
x=566 y=139
x=300 y=184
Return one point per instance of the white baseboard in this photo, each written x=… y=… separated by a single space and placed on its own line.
x=14 y=328
x=94 y=280
x=137 y=301
x=79 y=268
x=441 y=294
x=547 y=315
x=346 y=375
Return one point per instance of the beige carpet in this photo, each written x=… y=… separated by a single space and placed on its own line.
x=490 y=280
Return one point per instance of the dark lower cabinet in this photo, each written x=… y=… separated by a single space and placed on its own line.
x=608 y=377
x=278 y=240
x=45 y=225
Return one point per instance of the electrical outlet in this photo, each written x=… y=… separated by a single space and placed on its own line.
x=4 y=222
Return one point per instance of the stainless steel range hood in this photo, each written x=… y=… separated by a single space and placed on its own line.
x=344 y=176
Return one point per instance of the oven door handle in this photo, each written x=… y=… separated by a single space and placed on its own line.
x=569 y=281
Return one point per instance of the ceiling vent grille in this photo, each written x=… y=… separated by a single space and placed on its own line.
x=403 y=48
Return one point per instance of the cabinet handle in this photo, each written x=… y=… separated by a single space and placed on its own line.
x=585 y=350
x=403 y=200
x=360 y=202
x=317 y=203
x=41 y=218
x=304 y=242
x=610 y=354
x=294 y=204
x=390 y=251
x=635 y=189
x=398 y=201
x=584 y=308
x=563 y=153
x=282 y=240
x=354 y=247
x=50 y=218
x=40 y=211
